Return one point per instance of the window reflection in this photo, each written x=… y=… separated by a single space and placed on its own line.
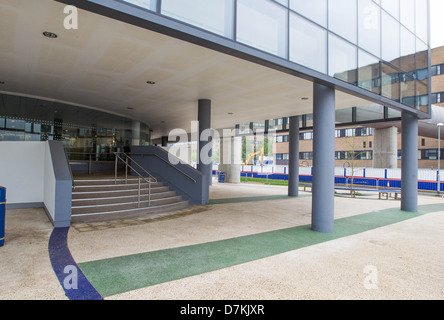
x=408 y=48
x=215 y=16
x=308 y=43
x=315 y=10
x=392 y=7
x=342 y=18
x=377 y=45
x=369 y=72
x=390 y=82
x=390 y=39
x=82 y=130
x=342 y=60
x=408 y=90
x=408 y=14
x=369 y=27
x=262 y=24
x=146 y=4
x=422 y=19
x=422 y=102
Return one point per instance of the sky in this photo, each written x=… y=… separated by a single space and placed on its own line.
x=437 y=23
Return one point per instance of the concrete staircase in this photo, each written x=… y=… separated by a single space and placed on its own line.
x=97 y=199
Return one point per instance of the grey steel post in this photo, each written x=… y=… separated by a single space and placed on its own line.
x=409 y=173
x=293 y=165
x=323 y=158
x=204 y=118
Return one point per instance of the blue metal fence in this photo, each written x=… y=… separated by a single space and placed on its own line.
x=357 y=181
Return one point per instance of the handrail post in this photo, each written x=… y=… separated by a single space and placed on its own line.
x=89 y=165
x=126 y=170
x=149 y=192
x=115 y=168
x=138 y=201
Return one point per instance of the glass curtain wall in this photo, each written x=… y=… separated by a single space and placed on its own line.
x=82 y=130
x=377 y=45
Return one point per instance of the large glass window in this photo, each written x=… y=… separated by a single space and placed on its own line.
x=283 y=2
x=390 y=82
x=369 y=27
x=408 y=49
x=408 y=90
x=315 y=10
x=82 y=130
x=146 y=4
x=342 y=18
x=422 y=96
x=378 y=45
x=263 y=25
x=422 y=20
x=215 y=16
x=370 y=112
x=408 y=14
x=390 y=39
x=368 y=72
x=308 y=43
x=342 y=60
x=422 y=59
x=392 y=7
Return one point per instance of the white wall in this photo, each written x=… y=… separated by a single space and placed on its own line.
x=22 y=171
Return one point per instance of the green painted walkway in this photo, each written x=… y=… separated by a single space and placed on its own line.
x=122 y=274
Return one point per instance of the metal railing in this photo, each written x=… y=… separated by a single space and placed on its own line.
x=150 y=179
x=166 y=162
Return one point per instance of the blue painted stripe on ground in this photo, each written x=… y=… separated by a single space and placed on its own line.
x=61 y=258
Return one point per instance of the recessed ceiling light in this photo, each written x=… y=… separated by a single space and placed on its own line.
x=130 y=108
x=50 y=35
x=151 y=82
x=230 y=113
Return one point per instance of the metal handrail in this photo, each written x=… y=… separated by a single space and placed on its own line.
x=144 y=170
x=167 y=162
x=70 y=170
x=127 y=165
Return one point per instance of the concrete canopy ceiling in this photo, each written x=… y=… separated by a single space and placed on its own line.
x=106 y=64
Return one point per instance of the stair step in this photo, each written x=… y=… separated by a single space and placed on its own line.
x=127 y=213
x=99 y=182
x=120 y=199
x=105 y=198
x=111 y=187
x=124 y=205
x=116 y=193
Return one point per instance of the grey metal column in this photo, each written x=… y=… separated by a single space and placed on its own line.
x=293 y=165
x=323 y=159
x=409 y=175
x=204 y=118
x=164 y=141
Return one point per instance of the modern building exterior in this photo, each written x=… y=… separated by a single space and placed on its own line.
x=165 y=63
x=355 y=141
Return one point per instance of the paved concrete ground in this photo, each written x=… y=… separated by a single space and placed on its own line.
x=403 y=260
